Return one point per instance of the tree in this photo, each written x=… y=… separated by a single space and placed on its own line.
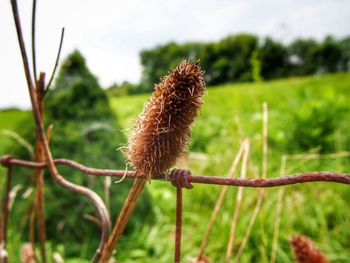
x=274 y=58
x=303 y=52
x=85 y=130
x=329 y=55
x=344 y=45
x=234 y=53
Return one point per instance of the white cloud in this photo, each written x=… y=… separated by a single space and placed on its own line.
x=111 y=33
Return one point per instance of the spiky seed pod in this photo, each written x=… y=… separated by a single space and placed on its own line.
x=162 y=130
x=305 y=251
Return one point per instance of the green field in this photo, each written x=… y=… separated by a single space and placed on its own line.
x=305 y=114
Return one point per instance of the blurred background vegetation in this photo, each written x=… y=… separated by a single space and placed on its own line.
x=306 y=85
x=231 y=60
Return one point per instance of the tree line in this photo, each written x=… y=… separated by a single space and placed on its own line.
x=243 y=58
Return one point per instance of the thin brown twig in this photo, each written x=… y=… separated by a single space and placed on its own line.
x=57 y=60
x=239 y=199
x=94 y=198
x=33 y=40
x=218 y=203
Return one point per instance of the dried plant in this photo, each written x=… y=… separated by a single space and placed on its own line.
x=305 y=251
x=162 y=130
x=161 y=134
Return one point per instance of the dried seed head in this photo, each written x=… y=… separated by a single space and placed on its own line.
x=162 y=130
x=305 y=251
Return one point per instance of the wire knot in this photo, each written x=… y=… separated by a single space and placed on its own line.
x=6 y=160
x=180 y=178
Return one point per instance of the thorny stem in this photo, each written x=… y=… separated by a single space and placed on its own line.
x=96 y=200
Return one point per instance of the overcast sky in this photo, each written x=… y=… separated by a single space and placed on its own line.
x=110 y=33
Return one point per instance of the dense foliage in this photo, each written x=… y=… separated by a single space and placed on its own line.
x=85 y=130
x=229 y=59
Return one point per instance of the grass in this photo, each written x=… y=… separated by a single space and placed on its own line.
x=231 y=113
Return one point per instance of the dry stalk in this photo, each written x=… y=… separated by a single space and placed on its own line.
x=161 y=134
x=304 y=157
x=21 y=141
x=39 y=173
x=265 y=139
x=239 y=199
x=95 y=199
x=261 y=191
x=218 y=203
x=278 y=213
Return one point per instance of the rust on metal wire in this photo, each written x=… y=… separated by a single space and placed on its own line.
x=180 y=179
x=306 y=177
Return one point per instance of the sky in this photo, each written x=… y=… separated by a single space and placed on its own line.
x=111 y=33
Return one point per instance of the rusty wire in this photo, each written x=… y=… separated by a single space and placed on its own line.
x=342 y=178
x=179 y=179
x=183 y=178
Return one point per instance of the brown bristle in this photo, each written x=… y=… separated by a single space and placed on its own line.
x=305 y=251
x=162 y=130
